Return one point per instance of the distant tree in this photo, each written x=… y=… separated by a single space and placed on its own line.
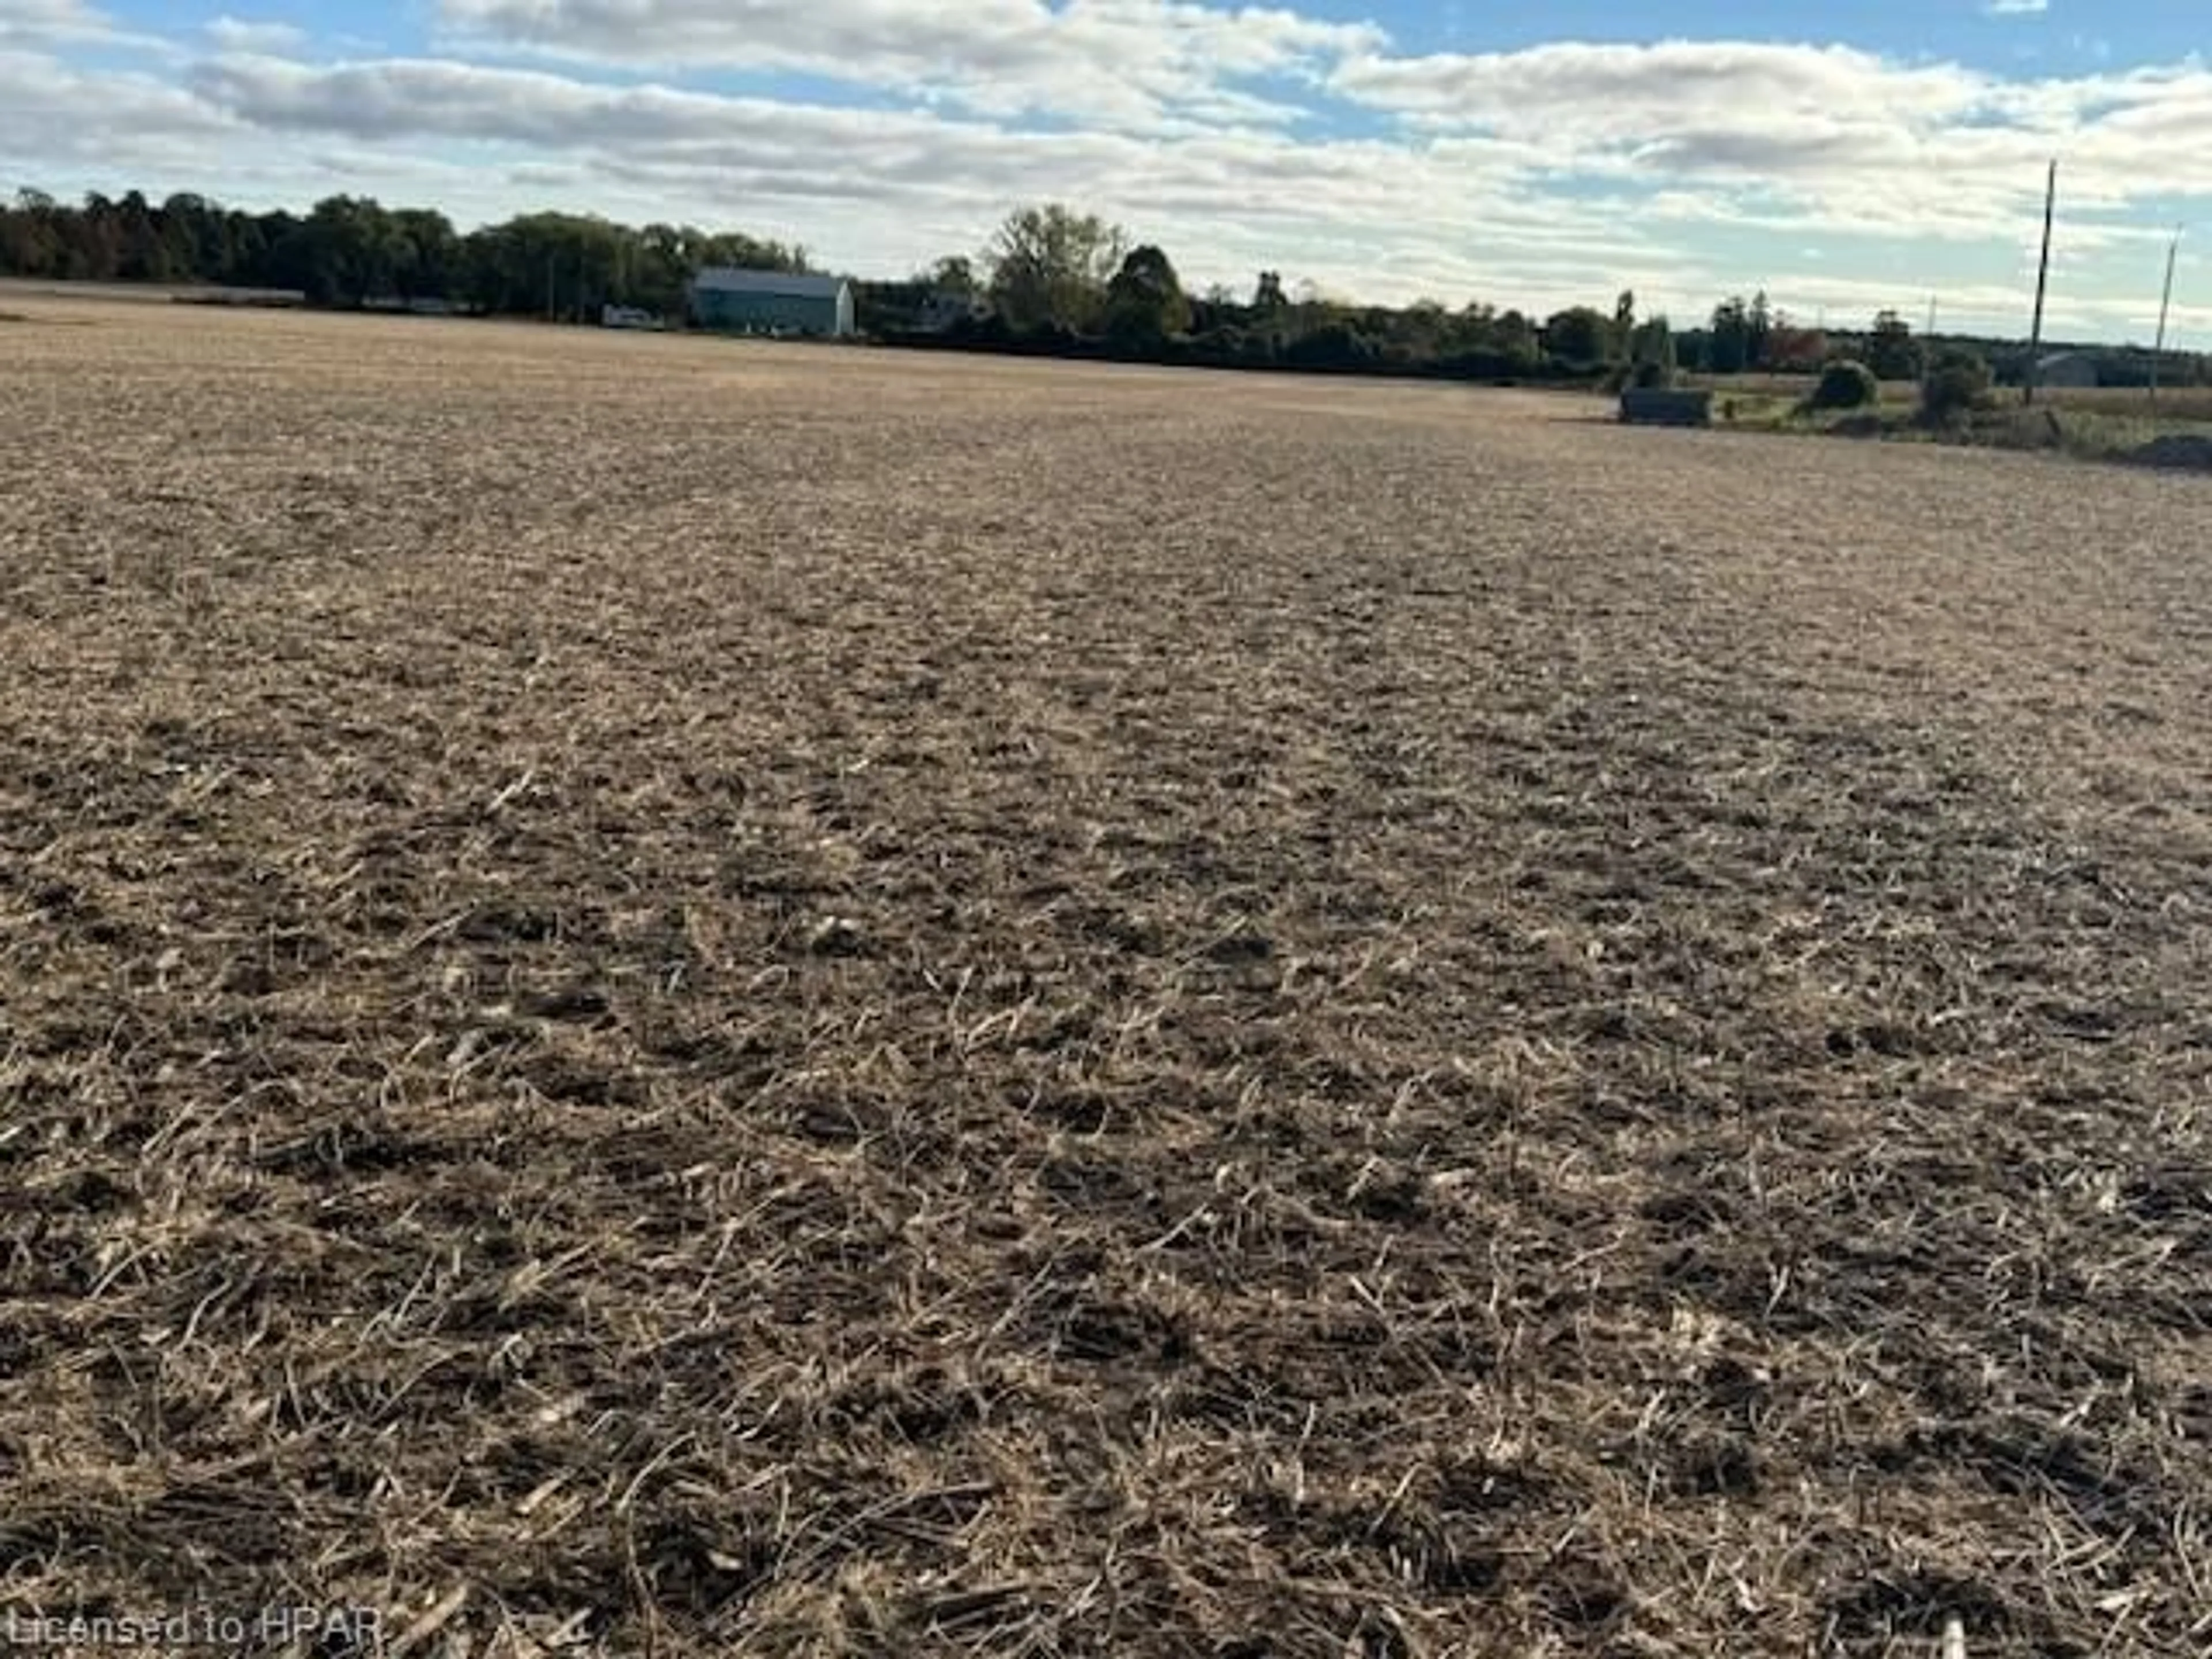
x=658 y=273
x=426 y=254
x=1623 y=337
x=1515 y=337
x=1145 y=301
x=1651 y=343
x=1267 y=296
x=95 y=253
x=144 y=255
x=1890 y=351
x=29 y=244
x=1846 y=385
x=1727 y=346
x=955 y=274
x=1335 y=344
x=1050 y=266
x=1759 y=323
x=1420 y=333
x=1579 y=337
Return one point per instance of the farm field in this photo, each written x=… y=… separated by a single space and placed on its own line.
x=2192 y=403
x=663 y=996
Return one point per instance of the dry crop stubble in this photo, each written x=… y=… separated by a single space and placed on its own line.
x=762 y=1001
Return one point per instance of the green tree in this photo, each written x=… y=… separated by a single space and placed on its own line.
x=1145 y=301
x=1050 y=266
x=1727 y=346
x=29 y=244
x=1514 y=337
x=1759 y=324
x=1890 y=351
x=1651 y=343
x=956 y=274
x=1579 y=337
x=1334 y=344
x=1623 y=336
x=426 y=254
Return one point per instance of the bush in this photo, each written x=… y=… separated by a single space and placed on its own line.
x=1956 y=386
x=1846 y=385
x=1335 y=345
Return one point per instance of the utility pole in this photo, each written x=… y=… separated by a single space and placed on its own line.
x=2164 y=305
x=2042 y=286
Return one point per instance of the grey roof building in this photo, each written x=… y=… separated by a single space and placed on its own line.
x=734 y=302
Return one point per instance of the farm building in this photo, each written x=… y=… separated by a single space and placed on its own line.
x=730 y=301
x=2066 y=368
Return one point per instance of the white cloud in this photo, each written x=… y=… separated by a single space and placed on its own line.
x=72 y=117
x=1124 y=62
x=43 y=23
x=2015 y=7
x=237 y=34
x=1938 y=151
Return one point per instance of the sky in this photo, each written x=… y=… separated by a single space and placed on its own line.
x=1844 y=157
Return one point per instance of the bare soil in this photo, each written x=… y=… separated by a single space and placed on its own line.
x=664 y=996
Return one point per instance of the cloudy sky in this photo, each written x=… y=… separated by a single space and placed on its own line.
x=1843 y=155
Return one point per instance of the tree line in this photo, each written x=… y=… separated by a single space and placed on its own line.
x=1052 y=281
x=1059 y=281
x=353 y=251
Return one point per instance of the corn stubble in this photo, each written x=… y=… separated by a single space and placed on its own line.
x=666 y=997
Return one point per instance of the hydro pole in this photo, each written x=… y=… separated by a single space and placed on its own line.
x=2164 y=305
x=2042 y=286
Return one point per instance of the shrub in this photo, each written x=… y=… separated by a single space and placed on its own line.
x=1333 y=345
x=1845 y=384
x=1956 y=386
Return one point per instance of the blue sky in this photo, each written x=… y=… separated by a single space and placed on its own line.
x=1843 y=156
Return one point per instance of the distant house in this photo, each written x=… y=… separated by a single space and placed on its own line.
x=730 y=301
x=627 y=317
x=2068 y=368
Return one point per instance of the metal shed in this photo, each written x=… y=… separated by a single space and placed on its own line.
x=732 y=301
